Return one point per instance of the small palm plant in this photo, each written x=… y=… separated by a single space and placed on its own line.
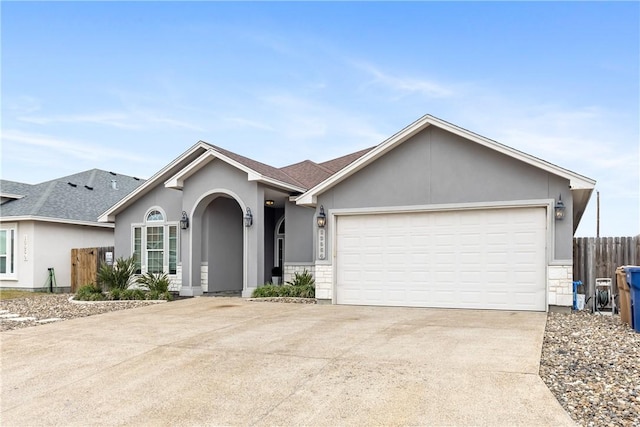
x=302 y=279
x=156 y=284
x=118 y=275
x=304 y=284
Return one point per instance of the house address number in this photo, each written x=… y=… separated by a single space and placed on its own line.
x=322 y=247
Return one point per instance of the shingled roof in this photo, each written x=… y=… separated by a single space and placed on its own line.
x=261 y=168
x=295 y=178
x=80 y=197
x=305 y=174
x=336 y=164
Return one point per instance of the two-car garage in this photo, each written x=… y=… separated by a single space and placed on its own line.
x=475 y=258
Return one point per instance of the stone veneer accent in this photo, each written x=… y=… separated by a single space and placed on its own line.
x=290 y=269
x=560 y=284
x=324 y=281
x=204 y=276
x=176 y=279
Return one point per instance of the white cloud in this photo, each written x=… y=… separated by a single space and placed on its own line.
x=128 y=120
x=403 y=85
x=49 y=146
x=23 y=104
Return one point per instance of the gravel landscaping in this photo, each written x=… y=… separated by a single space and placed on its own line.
x=591 y=363
x=38 y=310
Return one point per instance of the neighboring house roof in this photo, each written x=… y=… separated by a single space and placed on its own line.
x=79 y=198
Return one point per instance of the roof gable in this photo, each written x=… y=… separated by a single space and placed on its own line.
x=261 y=168
x=577 y=182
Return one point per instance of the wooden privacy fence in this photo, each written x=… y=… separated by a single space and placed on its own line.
x=598 y=257
x=85 y=263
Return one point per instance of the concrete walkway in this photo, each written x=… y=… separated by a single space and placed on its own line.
x=225 y=361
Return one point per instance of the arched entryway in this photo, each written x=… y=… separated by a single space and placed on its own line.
x=217 y=243
x=222 y=246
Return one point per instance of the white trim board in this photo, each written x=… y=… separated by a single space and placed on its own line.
x=56 y=220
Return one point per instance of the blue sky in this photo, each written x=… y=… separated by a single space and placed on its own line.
x=128 y=87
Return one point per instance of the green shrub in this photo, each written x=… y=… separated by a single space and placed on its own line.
x=115 y=294
x=266 y=291
x=90 y=293
x=133 y=294
x=302 y=279
x=271 y=291
x=118 y=275
x=305 y=291
x=158 y=283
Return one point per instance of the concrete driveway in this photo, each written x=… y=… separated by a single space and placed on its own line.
x=225 y=361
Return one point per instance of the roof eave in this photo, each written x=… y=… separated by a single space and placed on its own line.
x=56 y=220
x=309 y=198
x=177 y=180
x=110 y=214
x=11 y=196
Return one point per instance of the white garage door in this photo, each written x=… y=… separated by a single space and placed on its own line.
x=488 y=259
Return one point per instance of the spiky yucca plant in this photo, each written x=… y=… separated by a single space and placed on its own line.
x=118 y=275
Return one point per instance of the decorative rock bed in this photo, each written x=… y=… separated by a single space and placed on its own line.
x=44 y=308
x=591 y=363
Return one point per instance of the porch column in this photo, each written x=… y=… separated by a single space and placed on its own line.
x=191 y=253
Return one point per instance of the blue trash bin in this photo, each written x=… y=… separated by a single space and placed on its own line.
x=633 y=279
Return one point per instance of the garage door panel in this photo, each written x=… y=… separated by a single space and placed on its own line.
x=466 y=259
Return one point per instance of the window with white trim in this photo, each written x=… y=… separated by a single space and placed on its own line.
x=155 y=244
x=8 y=251
x=279 y=244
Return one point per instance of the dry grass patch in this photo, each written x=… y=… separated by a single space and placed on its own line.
x=6 y=294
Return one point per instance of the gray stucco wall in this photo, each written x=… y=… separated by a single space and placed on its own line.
x=437 y=167
x=225 y=232
x=168 y=199
x=199 y=191
x=298 y=238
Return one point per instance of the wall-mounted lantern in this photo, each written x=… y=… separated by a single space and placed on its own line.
x=559 y=209
x=184 y=221
x=269 y=202
x=248 y=218
x=321 y=219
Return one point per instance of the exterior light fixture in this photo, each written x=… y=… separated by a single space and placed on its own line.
x=559 y=209
x=248 y=218
x=269 y=202
x=184 y=221
x=321 y=219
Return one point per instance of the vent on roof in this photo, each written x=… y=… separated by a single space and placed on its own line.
x=136 y=178
x=88 y=188
x=112 y=173
x=72 y=184
x=114 y=184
